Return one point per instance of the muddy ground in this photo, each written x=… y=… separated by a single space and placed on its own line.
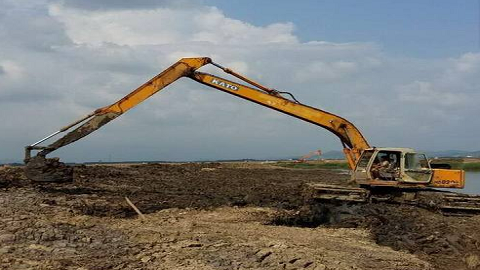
x=217 y=216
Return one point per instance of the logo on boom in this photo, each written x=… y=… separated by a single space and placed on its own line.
x=225 y=85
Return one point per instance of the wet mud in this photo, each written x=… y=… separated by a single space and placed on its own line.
x=82 y=223
x=448 y=242
x=41 y=169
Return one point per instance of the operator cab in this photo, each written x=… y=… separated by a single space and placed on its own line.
x=392 y=167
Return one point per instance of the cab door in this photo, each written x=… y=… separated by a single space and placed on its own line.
x=416 y=168
x=361 y=170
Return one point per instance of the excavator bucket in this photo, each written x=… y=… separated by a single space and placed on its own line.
x=41 y=169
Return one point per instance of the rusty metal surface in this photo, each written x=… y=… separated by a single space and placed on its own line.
x=88 y=127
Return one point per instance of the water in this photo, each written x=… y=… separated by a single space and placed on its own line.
x=472 y=183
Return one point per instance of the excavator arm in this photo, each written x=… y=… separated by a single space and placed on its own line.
x=351 y=138
x=102 y=116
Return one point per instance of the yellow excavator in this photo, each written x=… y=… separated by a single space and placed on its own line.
x=391 y=169
x=311 y=154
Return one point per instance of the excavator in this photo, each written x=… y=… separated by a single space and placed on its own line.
x=399 y=175
x=304 y=158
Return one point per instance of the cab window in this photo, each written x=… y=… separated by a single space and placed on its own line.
x=415 y=161
x=366 y=156
x=416 y=166
x=386 y=165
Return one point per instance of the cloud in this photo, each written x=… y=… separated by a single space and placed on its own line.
x=66 y=60
x=326 y=71
x=94 y=5
x=425 y=93
x=165 y=26
x=453 y=87
x=468 y=63
x=39 y=32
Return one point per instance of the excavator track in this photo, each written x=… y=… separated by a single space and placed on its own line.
x=446 y=202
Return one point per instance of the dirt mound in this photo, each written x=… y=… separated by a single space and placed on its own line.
x=41 y=169
x=11 y=176
x=153 y=187
x=448 y=242
x=31 y=213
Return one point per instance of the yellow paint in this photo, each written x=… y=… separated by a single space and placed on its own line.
x=184 y=67
x=446 y=178
x=345 y=130
x=353 y=141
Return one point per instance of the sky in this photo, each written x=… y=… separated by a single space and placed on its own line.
x=406 y=73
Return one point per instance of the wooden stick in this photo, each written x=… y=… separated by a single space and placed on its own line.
x=135 y=208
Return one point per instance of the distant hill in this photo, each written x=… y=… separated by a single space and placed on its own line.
x=326 y=155
x=9 y=161
x=430 y=154
x=333 y=155
x=453 y=153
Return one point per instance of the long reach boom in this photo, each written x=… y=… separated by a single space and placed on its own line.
x=383 y=174
x=352 y=140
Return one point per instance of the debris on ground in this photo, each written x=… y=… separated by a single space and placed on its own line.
x=217 y=216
